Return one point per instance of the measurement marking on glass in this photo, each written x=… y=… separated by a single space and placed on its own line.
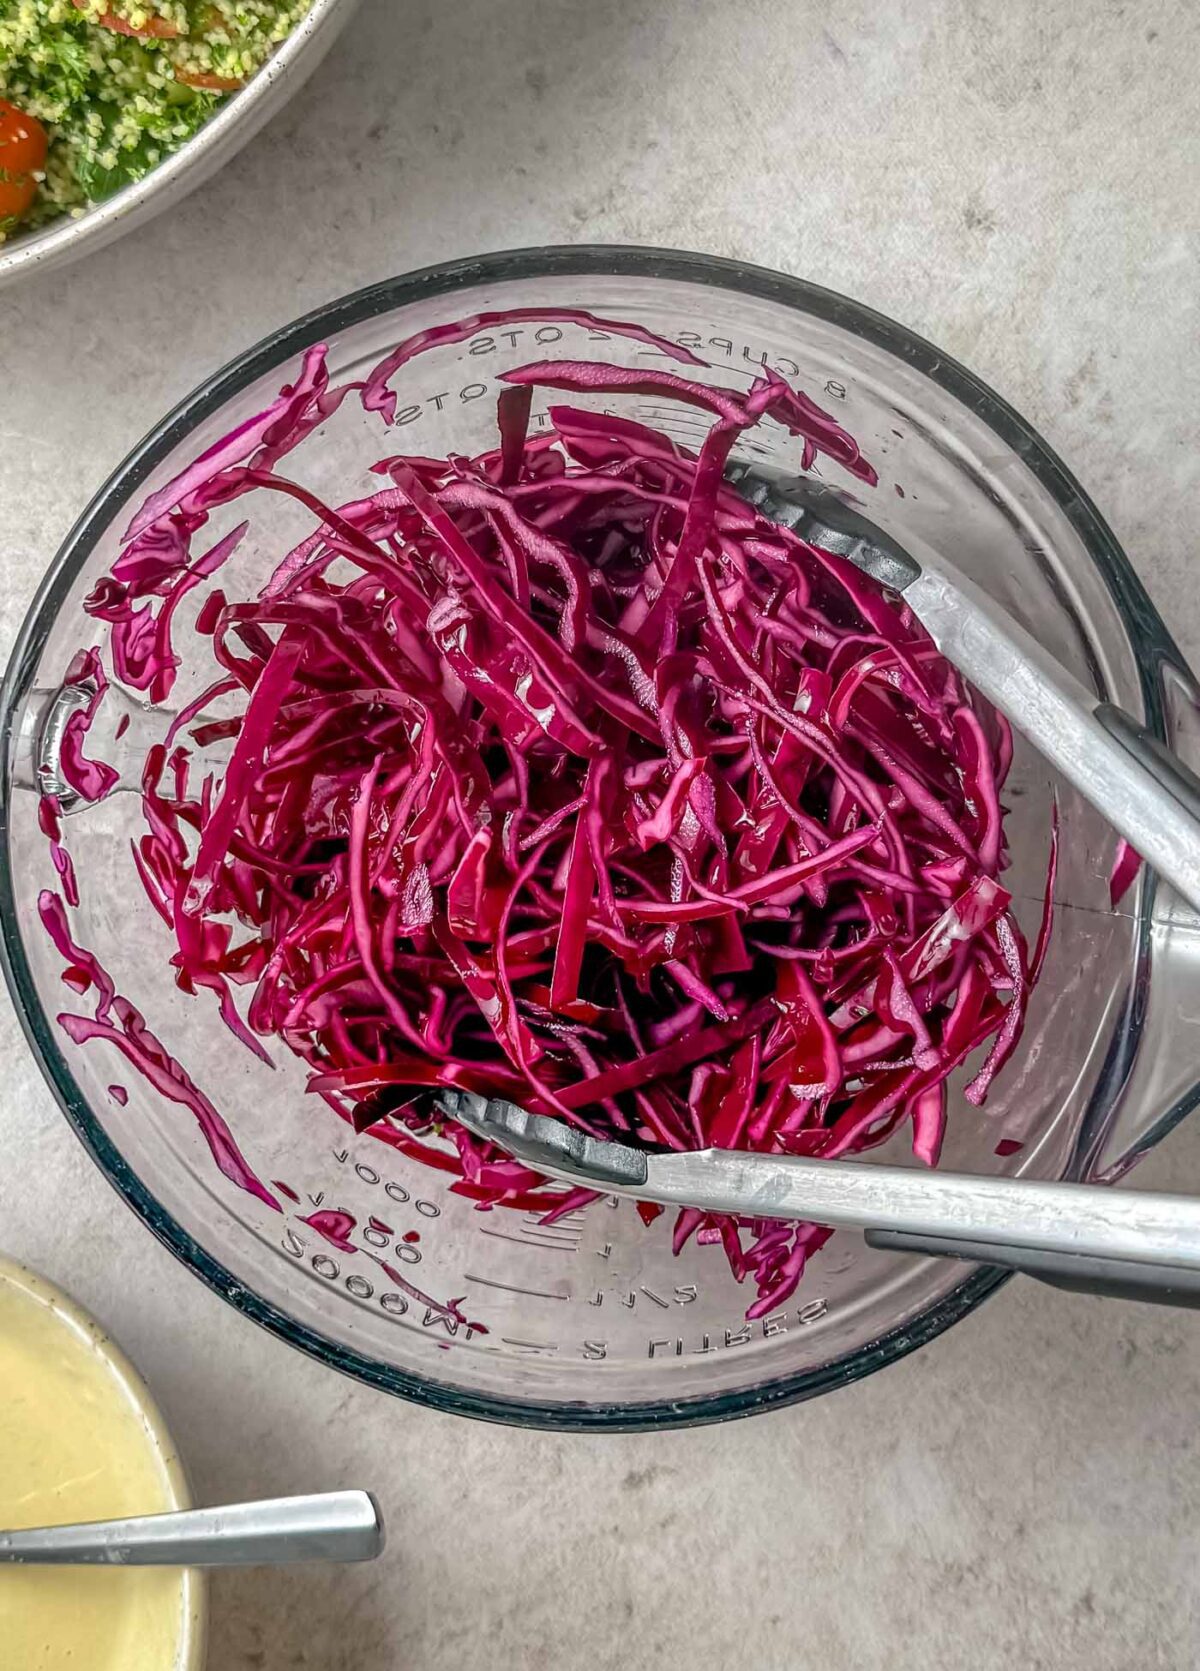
x=523 y=1241
x=529 y=1345
x=680 y=412
x=572 y=1220
x=564 y=1222
x=511 y=1288
x=550 y=1233
x=678 y=420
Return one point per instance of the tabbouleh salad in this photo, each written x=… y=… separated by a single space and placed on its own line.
x=94 y=93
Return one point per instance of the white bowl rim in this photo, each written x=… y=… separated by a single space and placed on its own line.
x=225 y=132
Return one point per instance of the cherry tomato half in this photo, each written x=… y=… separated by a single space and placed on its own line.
x=207 y=81
x=22 y=153
x=210 y=20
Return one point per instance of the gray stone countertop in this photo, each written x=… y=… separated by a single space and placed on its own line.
x=1018 y=183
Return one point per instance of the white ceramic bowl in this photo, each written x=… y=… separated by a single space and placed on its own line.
x=237 y=121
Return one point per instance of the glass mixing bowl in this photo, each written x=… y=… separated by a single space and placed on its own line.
x=592 y=1322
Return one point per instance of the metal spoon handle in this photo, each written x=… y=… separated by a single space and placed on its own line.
x=333 y=1526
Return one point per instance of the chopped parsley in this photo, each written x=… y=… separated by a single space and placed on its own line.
x=114 y=104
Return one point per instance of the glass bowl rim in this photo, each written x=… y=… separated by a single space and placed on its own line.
x=1147 y=633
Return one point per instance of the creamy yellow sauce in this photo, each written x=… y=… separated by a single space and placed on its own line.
x=74 y=1445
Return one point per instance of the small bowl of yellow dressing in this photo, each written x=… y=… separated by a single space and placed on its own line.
x=80 y=1440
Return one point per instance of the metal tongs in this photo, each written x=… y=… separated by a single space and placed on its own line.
x=1146 y=793
x=1087 y=1237
x=1129 y=1244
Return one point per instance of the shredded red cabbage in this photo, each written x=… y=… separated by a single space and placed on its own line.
x=1126 y=865
x=561 y=773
